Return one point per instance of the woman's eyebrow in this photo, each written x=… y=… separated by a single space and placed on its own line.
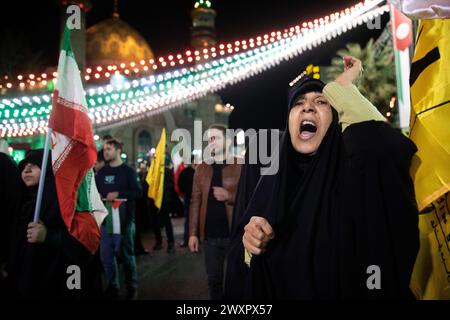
x=302 y=97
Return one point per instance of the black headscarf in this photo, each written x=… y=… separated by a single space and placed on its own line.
x=38 y=270
x=334 y=214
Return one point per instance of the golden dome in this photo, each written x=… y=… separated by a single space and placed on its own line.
x=113 y=41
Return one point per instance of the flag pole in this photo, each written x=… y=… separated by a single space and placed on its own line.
x=37 y=209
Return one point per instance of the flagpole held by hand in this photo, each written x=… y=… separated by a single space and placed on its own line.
x=37 y=209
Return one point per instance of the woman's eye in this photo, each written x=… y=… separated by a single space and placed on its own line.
x=321 y=102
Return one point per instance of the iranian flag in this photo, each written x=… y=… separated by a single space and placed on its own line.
x=74 y=153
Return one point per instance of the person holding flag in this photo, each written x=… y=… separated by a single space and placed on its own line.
x=78 y=207
x=43 y=252
x=119 y=187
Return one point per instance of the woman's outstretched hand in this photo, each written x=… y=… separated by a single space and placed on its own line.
x=352 y=70
x=258 y=233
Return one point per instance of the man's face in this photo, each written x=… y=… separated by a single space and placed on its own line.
x=30 y=175
x=309 y=120
x=216 y=141
x=110 y=153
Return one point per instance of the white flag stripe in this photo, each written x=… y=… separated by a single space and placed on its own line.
x=70 y=87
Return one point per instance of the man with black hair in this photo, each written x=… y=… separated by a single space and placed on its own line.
x=116 y=180
x=100 y=163
x=106 y=138
x=100 y=159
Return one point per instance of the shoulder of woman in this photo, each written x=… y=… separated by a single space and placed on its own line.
x=377 y=139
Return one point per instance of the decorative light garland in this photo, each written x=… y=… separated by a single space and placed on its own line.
x=99 y=73
x=109 y=88
x=111 y=106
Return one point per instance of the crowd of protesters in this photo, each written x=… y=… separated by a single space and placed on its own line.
x=341 y=201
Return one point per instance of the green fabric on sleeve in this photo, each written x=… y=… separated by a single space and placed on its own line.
x=350 y=104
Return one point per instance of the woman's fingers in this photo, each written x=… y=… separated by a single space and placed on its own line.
x=254 y=241
x=350 y=62
x=267 y=228
x=250 y=247
x=258 y=233
x=262 y=224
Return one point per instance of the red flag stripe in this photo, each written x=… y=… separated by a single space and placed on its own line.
x=68 y=179
x=72 y=121
x=84 y=228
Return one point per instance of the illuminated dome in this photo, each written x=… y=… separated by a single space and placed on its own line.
x=113 y=41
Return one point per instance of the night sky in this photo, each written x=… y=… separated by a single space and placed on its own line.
x=260 y=102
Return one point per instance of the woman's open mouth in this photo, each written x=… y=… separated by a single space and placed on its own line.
x=308 y=129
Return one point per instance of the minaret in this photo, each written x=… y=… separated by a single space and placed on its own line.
x=116 y=10
x=203 y=35
x=203 y=31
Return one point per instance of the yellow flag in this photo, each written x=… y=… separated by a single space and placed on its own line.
x=431 y=275
x=430 y=114
x=430 y=167
x=155 y=175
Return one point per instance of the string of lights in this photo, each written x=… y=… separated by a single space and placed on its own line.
x=101 y=73
x=115 y=105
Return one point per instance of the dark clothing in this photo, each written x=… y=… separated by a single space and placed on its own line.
x=10 y=193
x=185 y=181
x=121 y=179
x=348 y=207
x=215 y=250
x=216 y=218
x=170 y=198
x=142 y=175
x=250 y=175
x=187 y=201
x=210 y=219
x=162 y=219
x=142 y=212
x=170 y=202
x=40 y=270
x=201 y=189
